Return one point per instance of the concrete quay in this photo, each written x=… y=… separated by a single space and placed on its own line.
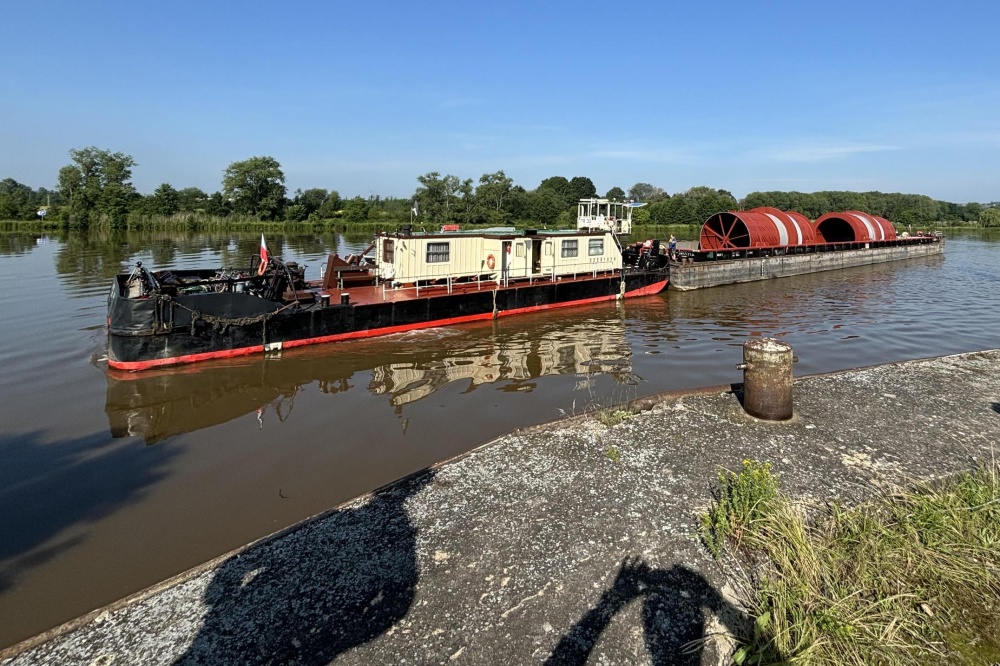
x=568 y=543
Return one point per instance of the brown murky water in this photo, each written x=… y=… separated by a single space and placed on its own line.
x=110 y=483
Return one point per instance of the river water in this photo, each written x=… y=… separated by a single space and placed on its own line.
x=110 y=483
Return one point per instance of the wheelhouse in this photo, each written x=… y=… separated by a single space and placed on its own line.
x=606 y=214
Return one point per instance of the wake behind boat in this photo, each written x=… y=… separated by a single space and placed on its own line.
x=413 y=280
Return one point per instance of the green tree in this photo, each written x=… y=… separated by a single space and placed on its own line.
x=392 y=210
x=15 y=200
x=191 y=199
x=305 y=204
x=467 y=203
x=970 y=212
x=543 y=206
x=255 y=187
x=311 y=199
x=837 y=201
x=218 y=205
x=559 y=185
x=97 y=185
x=756 y=200
x=356 y=210
x=615 y=193
x=295 y=213
x=165 y=200
x=640 y=216
x=990 y=217
x=438 y=196
x=678 y=209
x=705 y=201
x=330 y=206
x=78 y=208
x=581 y=187
x=646 y=192
x=493 y=190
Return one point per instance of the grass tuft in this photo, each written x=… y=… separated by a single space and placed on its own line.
x=910 y=578
x=612 y=417
x=744 y=498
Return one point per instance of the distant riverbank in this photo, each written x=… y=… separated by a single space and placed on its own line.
x=198 y=222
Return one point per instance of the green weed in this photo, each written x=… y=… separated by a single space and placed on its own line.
x=744 y=498
x=612 y=416
x=910 y=578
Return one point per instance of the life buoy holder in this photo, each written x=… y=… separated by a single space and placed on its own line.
x=491 y=262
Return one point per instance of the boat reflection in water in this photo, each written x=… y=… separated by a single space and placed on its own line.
x=584 y=349
x=406 y=368
x=159 y=405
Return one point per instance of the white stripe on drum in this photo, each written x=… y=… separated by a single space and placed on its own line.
x=868 y=225
x=798 y=229
x=782 y=231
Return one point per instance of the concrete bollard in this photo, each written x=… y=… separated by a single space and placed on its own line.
x=767 y=379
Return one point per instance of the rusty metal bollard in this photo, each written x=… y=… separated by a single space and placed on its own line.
x=767 y=379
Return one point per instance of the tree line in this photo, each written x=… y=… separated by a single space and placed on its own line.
x=96 y=189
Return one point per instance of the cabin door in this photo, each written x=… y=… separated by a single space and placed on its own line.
x=536 y=256
x=505 y=257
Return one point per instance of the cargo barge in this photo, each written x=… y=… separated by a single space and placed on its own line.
x=767 y=243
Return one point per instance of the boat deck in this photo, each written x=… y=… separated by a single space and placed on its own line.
x=371 y=294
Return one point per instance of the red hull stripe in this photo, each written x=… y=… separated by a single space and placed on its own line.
x=133 y=366
x=648 y=290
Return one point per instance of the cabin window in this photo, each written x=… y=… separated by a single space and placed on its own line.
x=596 y=247
x=548 y=248
x=570 y=248
x=519 y=251
x=438 y=253
x=387 y=251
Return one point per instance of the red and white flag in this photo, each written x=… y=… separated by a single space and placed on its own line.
x=263 y=256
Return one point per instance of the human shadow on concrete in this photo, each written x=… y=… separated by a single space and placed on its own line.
x=674 y=602
x=313 y=594
x=49 y=487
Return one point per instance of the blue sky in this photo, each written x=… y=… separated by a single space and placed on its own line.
x=362 y=97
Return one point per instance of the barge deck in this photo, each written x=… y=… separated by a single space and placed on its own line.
x=700 y=270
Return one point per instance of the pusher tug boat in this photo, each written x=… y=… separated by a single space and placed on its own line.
x=413 y=280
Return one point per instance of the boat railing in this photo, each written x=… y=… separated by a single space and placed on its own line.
x=498 y=278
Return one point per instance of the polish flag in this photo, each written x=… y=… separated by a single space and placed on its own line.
x=263 y=256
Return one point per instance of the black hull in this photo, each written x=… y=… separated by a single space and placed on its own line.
x=158 y=331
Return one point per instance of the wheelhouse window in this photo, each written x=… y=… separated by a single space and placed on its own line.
x=387 y=250
x=570 y=248
x=596 y=247
x=438 y=253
